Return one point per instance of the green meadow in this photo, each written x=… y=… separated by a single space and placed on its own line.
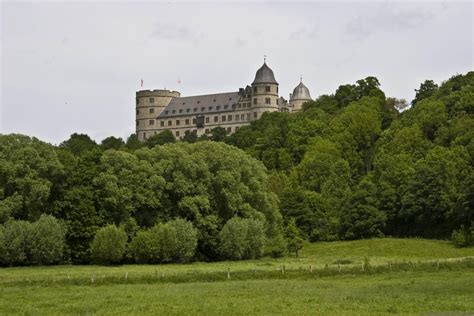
x=376 y=276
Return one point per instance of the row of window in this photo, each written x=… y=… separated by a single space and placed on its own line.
x=178 y=134
x=243 y=105
x=223 y=118
x=267 y=89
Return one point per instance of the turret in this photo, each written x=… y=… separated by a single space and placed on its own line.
x=264 y=92
x=149 y=104
x=299 y=96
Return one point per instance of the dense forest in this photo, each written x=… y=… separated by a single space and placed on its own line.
x=354 y=164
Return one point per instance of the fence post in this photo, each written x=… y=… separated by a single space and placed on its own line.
x=126 y=276
x=228 y=273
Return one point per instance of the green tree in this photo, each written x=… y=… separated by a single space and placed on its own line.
x=233 y=239
x=47 y=240
x=109 y=245
x=255 y=239
x=133 y=142
x=112 y=143
x=79 y=143
x=293 y=236
x=186 y=240
x=426 y=90
x=164 y=137
x=17 y=243
x=218 y=134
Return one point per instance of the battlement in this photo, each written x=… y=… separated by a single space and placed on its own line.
x=158 y=93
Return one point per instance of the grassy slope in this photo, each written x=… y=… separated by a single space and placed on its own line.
x=406 y=292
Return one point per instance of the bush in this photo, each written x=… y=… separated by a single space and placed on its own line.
x=47 y=240
x=461 y=237
x=242 y=239
x=16 y=243
x=109 y=245
x=186 y=240
x=144 y=247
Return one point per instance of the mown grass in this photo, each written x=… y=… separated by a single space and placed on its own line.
x=363 y=277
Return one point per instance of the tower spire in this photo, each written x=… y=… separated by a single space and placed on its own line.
x=264 y=59
x=301 y=78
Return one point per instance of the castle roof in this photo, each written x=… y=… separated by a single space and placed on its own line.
x=201 y=104
x=301 y=92
x=264 y=75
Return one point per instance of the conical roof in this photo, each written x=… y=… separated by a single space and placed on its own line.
x=301 y=92
x=264 y=75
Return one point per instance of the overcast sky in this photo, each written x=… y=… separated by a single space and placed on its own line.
x=75 y=67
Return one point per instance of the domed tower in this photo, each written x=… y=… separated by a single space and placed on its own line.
x=149 y=104
x=264 y=92
x=299 y=96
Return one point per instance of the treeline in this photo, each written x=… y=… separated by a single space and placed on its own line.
x=354 y=164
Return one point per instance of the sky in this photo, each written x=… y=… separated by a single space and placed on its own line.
x=74 y=67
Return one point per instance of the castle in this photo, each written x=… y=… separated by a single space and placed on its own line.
x=159 y=110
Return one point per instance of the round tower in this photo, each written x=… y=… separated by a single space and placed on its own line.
x=264 y=92
x=149 y=104
x=299 y=96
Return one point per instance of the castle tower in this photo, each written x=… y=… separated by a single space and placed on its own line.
x=149 y=104
x=299 y=96
x=264 y=92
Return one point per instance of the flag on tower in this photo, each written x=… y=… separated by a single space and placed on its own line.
x=179 y=80
x=141 y=83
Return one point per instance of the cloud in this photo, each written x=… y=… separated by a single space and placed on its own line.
x=174 y=32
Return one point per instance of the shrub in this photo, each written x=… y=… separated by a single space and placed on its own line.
x=109 y=245
x=47 y=240
x=16 y=243
x=242 y=239
x=233 y=239
x=255 y=239
x=186 y=240
x=144 y=247
x=461 y=237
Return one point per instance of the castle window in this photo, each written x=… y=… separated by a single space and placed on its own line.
x=186 y=122
x=138 y=101
x=229 y=129
x=169 y=123
x=242 y=117
x=188 y=110
x=206 y=131
x=240 y=105
x=202 y=109
x=151 y=122
x=184 y=103
x=152 y=100
x=207 y=119
x=225 y=107
x=255 y=90
x=248 y=116
x=138 y=123
x=218 y=107
x=216 y=119
x=223 y=118
x=180 y=110
x=237 y=117
x=162 y=123
x=166 y=112
x=230 y=99
x=174 y=111
x=267 y=100
x=255 y=101
x=194 y=120
x=277 y=101
x=277 y=89
x=267 y=88
x=177 y=122
x=199 y=102
x=237 y=128
x=195 y=109
x=214 y=100
x=152 y=110
x=210 y=108
x=177 y=133
x=144 y=135
x=229 y=117
x=186 y=132
x=254 y=114
x=138 y=111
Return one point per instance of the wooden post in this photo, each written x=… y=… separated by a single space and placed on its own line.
x=310 y=268
x=92 y=278
x=339 y=266
x=228 y=273
x=126 y=276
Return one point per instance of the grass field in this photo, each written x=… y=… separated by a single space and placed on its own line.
x=408 y=276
